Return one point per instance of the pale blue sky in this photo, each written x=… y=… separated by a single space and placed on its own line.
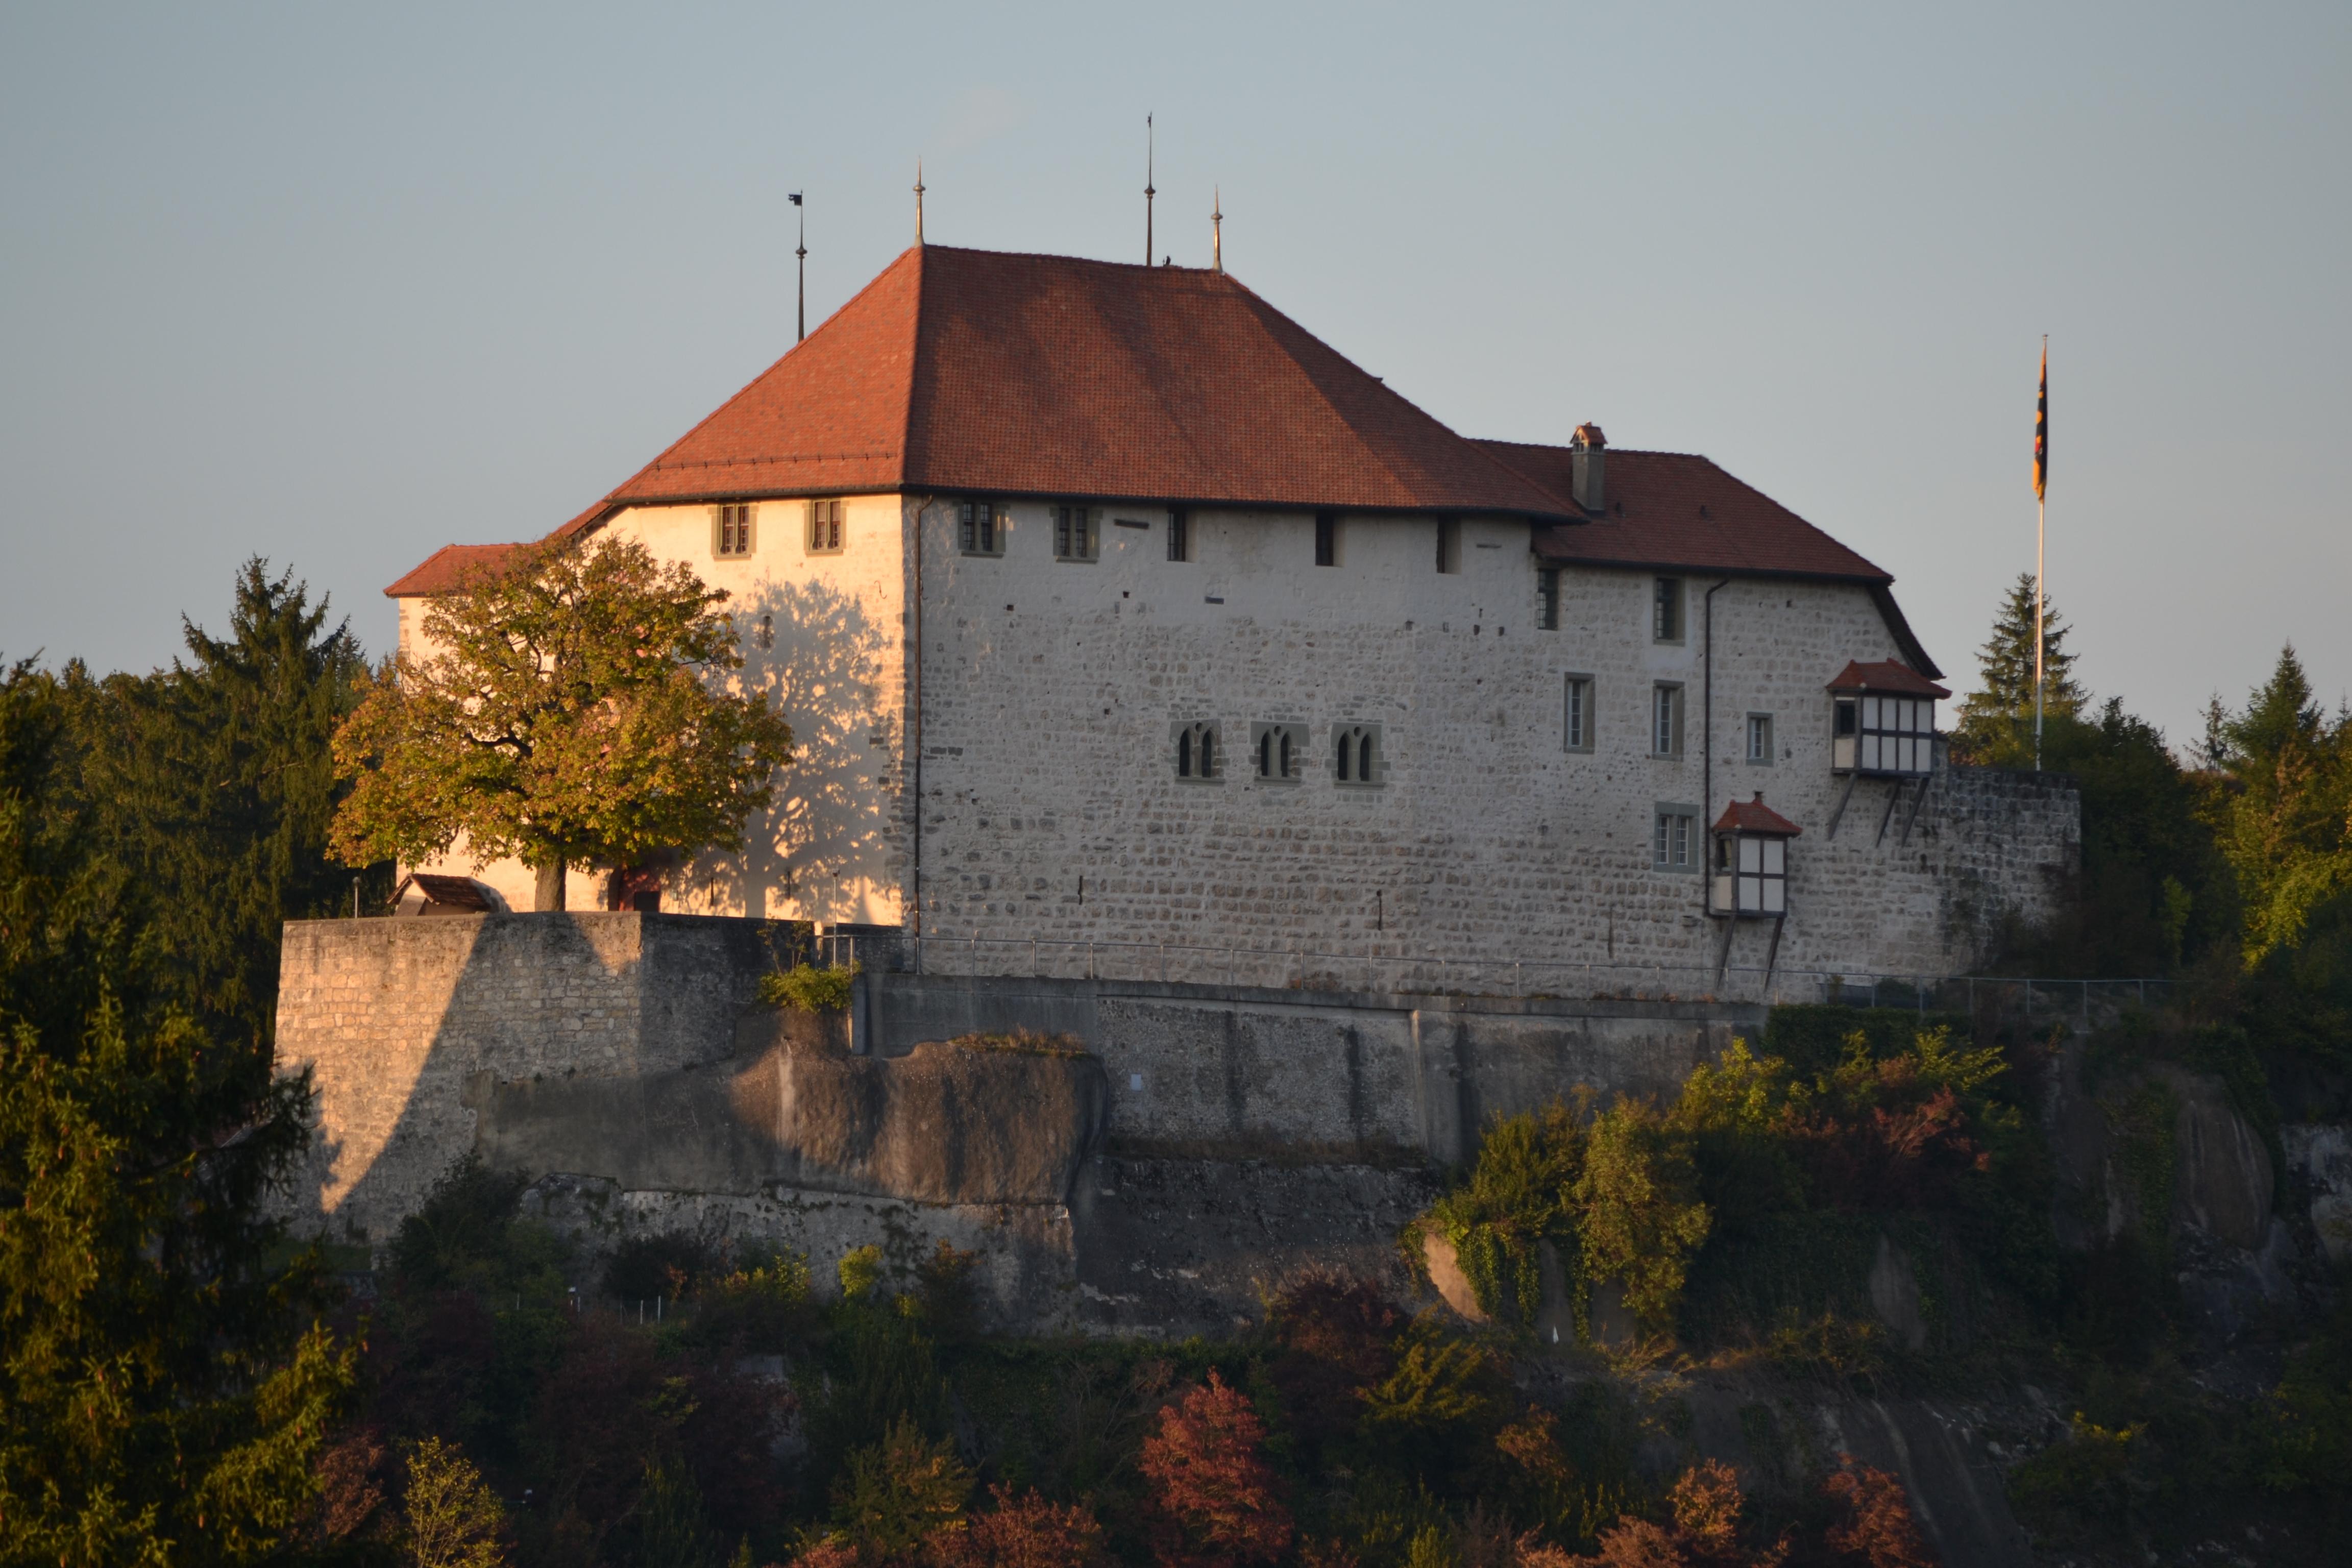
x=339 y=285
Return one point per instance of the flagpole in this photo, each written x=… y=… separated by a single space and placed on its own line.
x=2041 y=537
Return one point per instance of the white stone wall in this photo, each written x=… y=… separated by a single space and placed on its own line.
x=1051 y=690
x=831 y=654
x=1052 y=813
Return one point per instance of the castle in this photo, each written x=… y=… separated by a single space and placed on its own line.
x=1123 y=623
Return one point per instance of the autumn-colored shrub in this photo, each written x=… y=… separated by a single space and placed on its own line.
x=892 y=1495
x=1639 y=1217
x=1701 y=1531
x=451 y=1519
x=1022 y=1532
x=1214 y=1502
x=1874 y=1528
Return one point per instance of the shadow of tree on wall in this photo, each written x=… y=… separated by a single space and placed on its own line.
x=826 y=841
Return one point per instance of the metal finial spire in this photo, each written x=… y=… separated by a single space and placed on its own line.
x=918 y=201
x=1217 y=233
x=801 y=251
x=1150 y=148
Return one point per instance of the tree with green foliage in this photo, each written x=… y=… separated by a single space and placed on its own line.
x=453 y=1519
x=165 y=1385
x=573 y=710
x=1997 y=719
x=212 y=787
x=2282 y=810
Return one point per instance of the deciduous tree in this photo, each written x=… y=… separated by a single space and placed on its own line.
x=572 y=707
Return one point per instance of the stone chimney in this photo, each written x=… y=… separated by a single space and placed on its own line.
x=1586 y=449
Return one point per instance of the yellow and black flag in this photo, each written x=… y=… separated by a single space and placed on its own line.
x=2041 y=428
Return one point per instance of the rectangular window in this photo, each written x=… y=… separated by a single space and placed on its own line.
x=1548 y=599
x=1278 y=751
x=824 y=527
x=1327 y=539
x=1074 y=533
x=1449 y=544
x=1666 y=721
x=1673 y=838
x=1759 y=739
x=980 y=527
x=1666 y=611
x=1355 y=759
x=1576 y=728
x=1179 y=534
x=731 y=531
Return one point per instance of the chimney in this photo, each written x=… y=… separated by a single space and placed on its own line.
x=1586 y=449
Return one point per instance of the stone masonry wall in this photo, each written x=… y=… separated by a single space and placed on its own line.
x=1052 y=813
x=622 y=1062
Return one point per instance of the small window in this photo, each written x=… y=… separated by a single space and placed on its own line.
x=1666 y=721
x=1356 y=758
x=1179 y=534
x=1759 y=739
x=824 y=527
x=1279 y=751
x=1673 y=838
x=1576 y=726
x=1548 y=599
x=1449 y=544
x=1849 y=718
x=980 y=527
x=766 y=634
x=1074 y=533
x=1666 y=611
x=1198 y=756
x=731 y=531
x=1327 y=539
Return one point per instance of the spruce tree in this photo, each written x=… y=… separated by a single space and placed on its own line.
x=2283 y=817
x=1997 y=719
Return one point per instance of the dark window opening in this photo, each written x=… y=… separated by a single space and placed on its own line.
x=1327 y=540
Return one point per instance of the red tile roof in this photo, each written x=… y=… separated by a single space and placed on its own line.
x=1755 y=816
x=446 y=568
x=972 y=370
x=1886 y=675
x=1673 y=508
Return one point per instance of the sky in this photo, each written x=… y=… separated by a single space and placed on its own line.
x=336 y=285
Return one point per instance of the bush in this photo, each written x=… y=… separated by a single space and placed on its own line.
x=894 y=1493
x=1516 y=1198
x=1215 y=1503
x=805 y=988
x=1638 y=1211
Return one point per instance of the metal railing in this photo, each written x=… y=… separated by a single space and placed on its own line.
x=1308 y=968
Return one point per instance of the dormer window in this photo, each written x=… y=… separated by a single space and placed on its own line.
x=1749 y=866
x=1883 y=720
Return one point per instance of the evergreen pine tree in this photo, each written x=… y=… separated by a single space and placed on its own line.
x=2284 y=817
x=1997 y=719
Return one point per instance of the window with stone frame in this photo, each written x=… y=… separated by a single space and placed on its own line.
x=1667 y=610
x=824 y=527
x=1179 y=534
x=1277 y=752
x=1355 y=759
x=1074 y=533
x=981 y=525
x=1198 y=757
x=731 y=535
x=1667 y=719
x=1759 y=739
x=1576 y=713
x=1674 y=839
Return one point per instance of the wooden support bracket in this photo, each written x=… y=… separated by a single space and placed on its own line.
x=1839 y=810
